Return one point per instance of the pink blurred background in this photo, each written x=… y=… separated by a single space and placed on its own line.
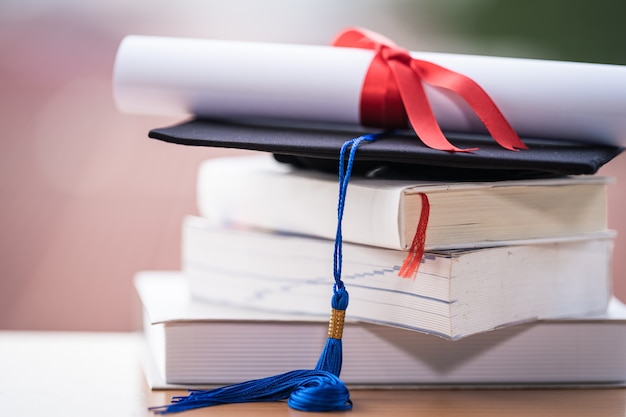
x=88 y=200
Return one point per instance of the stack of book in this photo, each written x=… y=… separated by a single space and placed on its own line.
x=514 y=287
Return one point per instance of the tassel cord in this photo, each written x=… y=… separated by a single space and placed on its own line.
x=345 y=171
x=331 y=357
x=318 y=389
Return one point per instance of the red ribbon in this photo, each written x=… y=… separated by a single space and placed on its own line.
x=416 y=251
x=393 y=92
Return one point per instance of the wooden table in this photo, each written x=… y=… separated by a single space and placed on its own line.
x=98 y=374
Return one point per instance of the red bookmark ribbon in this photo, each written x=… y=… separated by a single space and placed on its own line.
x=416 y=251
x=393 y=93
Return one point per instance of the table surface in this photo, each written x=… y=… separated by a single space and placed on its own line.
x=99 y=374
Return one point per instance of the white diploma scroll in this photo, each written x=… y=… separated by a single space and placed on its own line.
x=285 y=83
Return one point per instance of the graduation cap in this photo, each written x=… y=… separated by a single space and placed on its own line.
x=393 y=99
x=397 y=153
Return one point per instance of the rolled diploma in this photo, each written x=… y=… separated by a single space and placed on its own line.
x=322 y=84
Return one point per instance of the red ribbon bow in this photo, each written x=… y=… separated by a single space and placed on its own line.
x=393 y=91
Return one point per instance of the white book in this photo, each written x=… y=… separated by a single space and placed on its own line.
x=193 y=344
x=261 y=192
x=456 y=293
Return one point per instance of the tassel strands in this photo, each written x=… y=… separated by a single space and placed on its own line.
x=318 y=389
x=304 y=390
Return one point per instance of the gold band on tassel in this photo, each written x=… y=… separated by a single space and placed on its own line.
x=335 y=326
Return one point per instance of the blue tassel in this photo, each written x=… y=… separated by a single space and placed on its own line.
x=331 y=357
x=318 y=389
x=304 y=390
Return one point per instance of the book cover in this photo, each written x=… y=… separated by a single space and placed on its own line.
x=260 y=192
x=193 y=344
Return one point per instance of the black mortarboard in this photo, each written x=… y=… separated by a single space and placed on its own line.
x=399 y=152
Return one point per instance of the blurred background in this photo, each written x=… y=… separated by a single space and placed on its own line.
x=87 y=200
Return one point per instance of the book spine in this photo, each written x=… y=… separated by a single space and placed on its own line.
x=302 y=205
